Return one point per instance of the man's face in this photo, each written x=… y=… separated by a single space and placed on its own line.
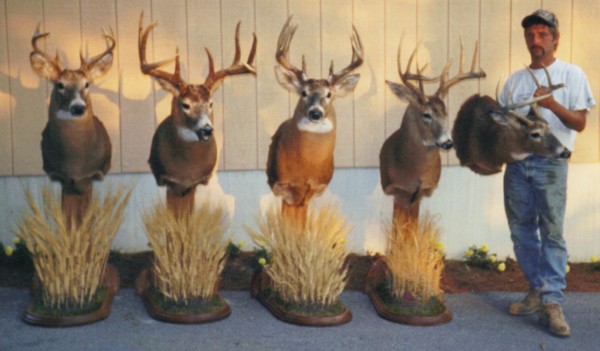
x=540 y=41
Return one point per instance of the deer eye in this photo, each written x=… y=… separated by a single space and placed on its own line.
x=60 y=85
x=535 y=135
x=87 y=85
x=329 y=95
x=304 y=93
x=211 y=104
x=427 y=117
x=185 y=106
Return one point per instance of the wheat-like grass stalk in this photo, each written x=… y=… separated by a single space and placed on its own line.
x=69 y=259
x=189 y=251
x=307 y=266
x=414 y=259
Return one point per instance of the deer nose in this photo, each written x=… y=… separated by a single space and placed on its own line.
x=565 y=154
x=77 y=110
x=315 y=115
x=447 y=145
x=205 y=133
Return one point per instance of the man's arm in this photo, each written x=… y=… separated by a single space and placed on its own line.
x=573 y=119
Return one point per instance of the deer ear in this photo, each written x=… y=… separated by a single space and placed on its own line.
x=98 y=68
x=499 y=118
x=404 y=93
x=168 y=86
x=44 y=67
x=346 y=85
x=288 y=80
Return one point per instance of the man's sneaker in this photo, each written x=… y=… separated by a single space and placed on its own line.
x=530 y=304
x=551 y=316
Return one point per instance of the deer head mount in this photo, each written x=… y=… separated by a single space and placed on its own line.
x=300 y=162
x=488 y=135
x=410 y=164
x=76 y=148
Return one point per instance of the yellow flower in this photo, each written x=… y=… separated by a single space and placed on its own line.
x=484 y=248
x=492 y=258
x=440 y=246
x=469 y=253
x=594 y=259
x=568 y=268
x=9 y=250
x=502 y=267
x=16 y=240
x=262 y=261
x=241 y=243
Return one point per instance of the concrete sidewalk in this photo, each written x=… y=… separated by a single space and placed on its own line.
x=480 y=323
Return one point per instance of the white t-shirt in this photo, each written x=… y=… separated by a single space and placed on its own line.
x=575 y=95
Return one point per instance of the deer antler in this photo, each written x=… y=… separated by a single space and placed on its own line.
x=110 y=46
x=54 y=61
x=551 y=86
x=236 y=67
x=512 y=105
x=283 y=48
x=357 y=58
x=152 y=68
x=406 y=76
x=446 y=84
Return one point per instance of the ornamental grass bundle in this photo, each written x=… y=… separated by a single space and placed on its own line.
x=415 y=260
x=70 y=259
x=189 y=252
x=307 y=265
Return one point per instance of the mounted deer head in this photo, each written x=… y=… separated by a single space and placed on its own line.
x=76 y=148
x=488 y=135
x=410 y=163
x=300 y=162
x=183 y=152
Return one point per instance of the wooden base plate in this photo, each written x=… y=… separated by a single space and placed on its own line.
x=111 y=284
x=144 y=287
x=261 y=290
x=376 y=277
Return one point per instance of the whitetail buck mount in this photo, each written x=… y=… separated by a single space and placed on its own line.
x=300 y=162
x=76 y=148
x=184 y=152
x=410 y=164
x=488 y=135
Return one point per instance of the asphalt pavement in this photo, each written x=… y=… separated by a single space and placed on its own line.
x=480 y=323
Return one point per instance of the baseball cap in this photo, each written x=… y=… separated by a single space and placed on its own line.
x=540 y=17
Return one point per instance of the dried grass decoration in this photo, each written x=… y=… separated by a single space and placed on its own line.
x=410 y=284
x=189 y=256
x=71 y=260
x=307 y=266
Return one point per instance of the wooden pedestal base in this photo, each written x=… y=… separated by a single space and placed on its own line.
x=158 y=309
x=108 y=288
x=375 y=279
x=261 y=290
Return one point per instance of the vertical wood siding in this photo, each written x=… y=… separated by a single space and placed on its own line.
x=249 y=109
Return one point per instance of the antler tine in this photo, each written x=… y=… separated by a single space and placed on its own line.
x=37 y=36
x=461 y=75
x=152 y=68
x=406 y=76
x=551 y=85
x=357 y=58
x=236 y=67
x=110 y=46
x=283 y=47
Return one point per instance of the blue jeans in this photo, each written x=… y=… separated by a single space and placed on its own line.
x=535 y=194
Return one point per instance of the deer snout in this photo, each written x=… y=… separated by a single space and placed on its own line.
x=446 y=145
x=565 y=154
x=205 y=133
x=315 y=115
x=77 y=110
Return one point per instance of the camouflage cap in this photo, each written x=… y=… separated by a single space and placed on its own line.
x=540 y=17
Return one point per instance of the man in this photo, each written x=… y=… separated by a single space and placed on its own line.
x=535 y=188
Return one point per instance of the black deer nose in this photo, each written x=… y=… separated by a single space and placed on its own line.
x=315 y=115
x=565 y=154
x=77 y=110
x=447 y=145
x=205 y=133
